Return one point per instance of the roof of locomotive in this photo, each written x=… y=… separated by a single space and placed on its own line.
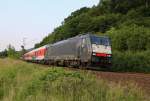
x=102 y=36
x=80 y=35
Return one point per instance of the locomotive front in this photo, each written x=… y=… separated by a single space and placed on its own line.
x=101 y=50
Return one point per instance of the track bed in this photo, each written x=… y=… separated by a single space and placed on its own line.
x=141 y=79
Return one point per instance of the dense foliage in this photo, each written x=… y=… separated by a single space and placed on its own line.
x=20 y=81
x=127 y=22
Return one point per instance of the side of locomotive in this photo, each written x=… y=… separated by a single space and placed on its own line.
x=72 y=51
x=80 y=50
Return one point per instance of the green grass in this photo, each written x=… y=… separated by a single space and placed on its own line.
x=21 y=81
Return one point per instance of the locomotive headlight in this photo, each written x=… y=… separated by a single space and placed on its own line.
x=108 y=55
x=94 y=53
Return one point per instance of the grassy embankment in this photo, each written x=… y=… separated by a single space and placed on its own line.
x=20 y=81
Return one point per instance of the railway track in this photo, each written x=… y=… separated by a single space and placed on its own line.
x=142 y=80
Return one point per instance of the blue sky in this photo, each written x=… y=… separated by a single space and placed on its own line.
x=33 y=19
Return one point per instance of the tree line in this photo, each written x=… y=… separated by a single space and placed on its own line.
x=102 y=18
x=11 y=52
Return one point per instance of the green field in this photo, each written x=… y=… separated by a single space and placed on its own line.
x=21 y=81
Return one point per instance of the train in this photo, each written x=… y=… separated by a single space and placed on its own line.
x=80 y=51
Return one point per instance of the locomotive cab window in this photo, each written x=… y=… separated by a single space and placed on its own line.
x=100 y=40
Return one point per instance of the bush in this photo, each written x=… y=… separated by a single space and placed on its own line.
x=131 y=48
x=131 y=61
x=133 y=38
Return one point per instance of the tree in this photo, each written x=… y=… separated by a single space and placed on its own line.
x=3 y=54
x=23 y=51
x=12 y=53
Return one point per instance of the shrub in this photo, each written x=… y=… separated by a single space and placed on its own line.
x=133 y=38
x=131 y=61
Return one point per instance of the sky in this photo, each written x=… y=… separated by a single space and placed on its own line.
x=32 y=20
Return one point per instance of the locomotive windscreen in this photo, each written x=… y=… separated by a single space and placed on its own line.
x=100 y=40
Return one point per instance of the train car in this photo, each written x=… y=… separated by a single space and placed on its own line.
x=81 y=50
x=36 y=55
x=28 y=56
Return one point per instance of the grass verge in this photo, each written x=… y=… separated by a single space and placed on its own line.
x=20 y=81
